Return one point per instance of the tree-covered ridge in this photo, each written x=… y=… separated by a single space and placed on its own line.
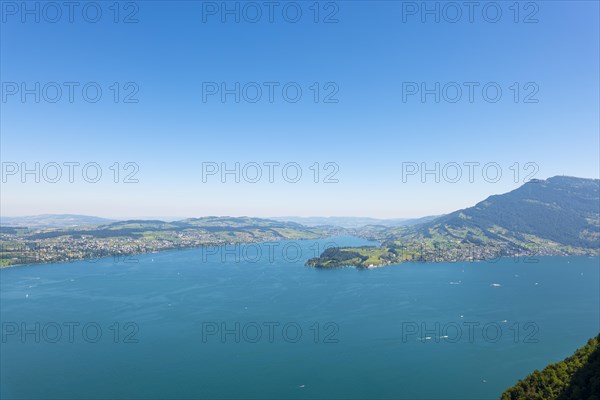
x=575 y=378
x=336 y=257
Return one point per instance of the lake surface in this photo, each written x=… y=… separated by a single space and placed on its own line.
x=254 y=322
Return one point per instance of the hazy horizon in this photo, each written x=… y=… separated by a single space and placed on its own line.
x=167 y=218
x=408 y=214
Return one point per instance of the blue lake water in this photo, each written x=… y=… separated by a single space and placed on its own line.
x=254 y=322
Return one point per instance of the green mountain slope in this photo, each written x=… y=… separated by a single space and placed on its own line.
x=560 y=215
x=561 y=209
x=575 y=378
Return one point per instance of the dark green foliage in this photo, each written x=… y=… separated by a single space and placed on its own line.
x=575 y=378
x=336 y=257
x=10 y=230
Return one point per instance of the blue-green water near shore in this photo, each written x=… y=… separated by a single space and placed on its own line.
x=215 y=323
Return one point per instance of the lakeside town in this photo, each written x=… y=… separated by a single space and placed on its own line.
x=21 y=245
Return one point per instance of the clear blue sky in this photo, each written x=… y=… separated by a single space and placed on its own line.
x=369 y=133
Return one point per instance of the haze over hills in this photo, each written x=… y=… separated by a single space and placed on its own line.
x=559 y=215
x=53 y=220
x=354 y=222
x=71 y=220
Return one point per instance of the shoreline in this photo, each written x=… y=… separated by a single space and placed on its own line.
x=165 y=250
x=377 y=266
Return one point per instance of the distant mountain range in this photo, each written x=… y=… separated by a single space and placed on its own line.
x=354 y=222
x=53 y=221
x=72 y=220
x=134 y=228
x=560 y=215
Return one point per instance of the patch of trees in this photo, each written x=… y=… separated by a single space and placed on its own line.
x=575 y=378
